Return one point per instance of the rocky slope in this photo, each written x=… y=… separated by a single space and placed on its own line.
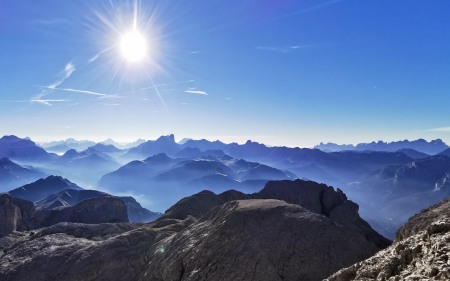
x=317 y=198
x=14 y=213
x=21 y=215
x=92 y=210
x=70 y=197
x=205 y=237
x=421 y=251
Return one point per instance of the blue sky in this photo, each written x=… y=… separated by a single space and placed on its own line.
x=285 y=72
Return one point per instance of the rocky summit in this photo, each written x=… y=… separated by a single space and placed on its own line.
x=229 y=236
x=420 y=251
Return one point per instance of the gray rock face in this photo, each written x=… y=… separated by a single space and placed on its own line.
x=258 y=240
x=92 y=210
x=421 y=251
x=137 y=213
x=317 y=198
x=430 y=216
x=68 y=197
x=20 y=215
x=14 y=213
x=203 y=237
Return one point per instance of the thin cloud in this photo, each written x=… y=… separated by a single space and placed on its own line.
x=283 y=50
x=49 y=21
x=68 y=70
x=47 y=102
x=163 y=85
x=196 y=92
x=96 y=56
x=313 y=8
x=85 y=92
x=194 y=52
x=173 y=83
x=442 y=129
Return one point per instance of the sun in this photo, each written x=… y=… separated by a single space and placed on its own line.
x=133 y=46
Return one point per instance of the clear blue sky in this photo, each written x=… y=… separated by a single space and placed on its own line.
x=283 y=72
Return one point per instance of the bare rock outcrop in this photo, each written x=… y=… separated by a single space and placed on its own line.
x=13 y=214
x=421 y=251
x=315 y=197
x=92 y=211
x=20 y=215
x=258 y=239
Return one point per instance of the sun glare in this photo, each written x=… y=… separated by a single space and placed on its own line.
x=133 y=46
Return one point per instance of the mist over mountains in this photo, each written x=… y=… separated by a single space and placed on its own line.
x=391 y=182
x=207 y=189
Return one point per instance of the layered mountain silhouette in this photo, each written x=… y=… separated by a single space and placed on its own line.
x=167 y=179
x=431 y=148
x=86 y=166
x=190 y=166
x=55 y=192
x=19 y=149
x=42 y=188
x=206 y=237
x=13 y=175
x=68 y=144
x=400 y=191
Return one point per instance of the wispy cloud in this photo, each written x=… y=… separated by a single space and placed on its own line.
x=165 y=84
x=442 y=129
x=47 y=102
x=313 y=8
x=69 y=69
x=174 y=83
x=96 y=56
x=283 y=50
x=49 y=21
x=194 y=52
x=196 y=92
x=85 y=92
x=66 y=73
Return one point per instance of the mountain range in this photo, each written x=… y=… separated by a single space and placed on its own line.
x=12 y=174
x=55 y=192
x=206 y=237
x=431 y=148
x=164 y=178
x=163 y=171
x=248 y=209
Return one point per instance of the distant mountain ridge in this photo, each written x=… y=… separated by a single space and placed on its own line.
x=42 y=188
x=432 y=147
x=203 y=164
x=13 y=175
x=16 y=148
x=165 y=179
